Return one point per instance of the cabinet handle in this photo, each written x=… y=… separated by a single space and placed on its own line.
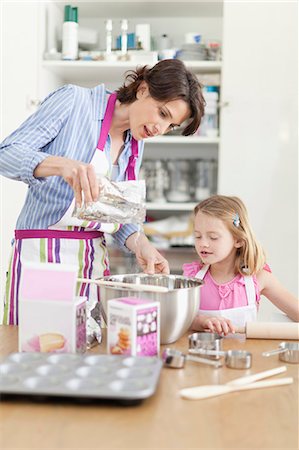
x=223 y=104
x=32 y=103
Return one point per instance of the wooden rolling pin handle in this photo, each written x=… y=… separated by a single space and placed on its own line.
x=270 y=330
x=241 y=330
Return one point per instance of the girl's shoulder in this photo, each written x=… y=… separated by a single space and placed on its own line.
x=191 y=269
x=264 y=277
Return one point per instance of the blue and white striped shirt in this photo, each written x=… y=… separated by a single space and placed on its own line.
x=67 y=123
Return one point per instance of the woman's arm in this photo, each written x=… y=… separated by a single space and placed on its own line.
x=148 y=257
x=80 y=176
x=271 y=288
x=22 y=151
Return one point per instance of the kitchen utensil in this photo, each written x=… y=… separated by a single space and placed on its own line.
x=90 y=376
x=205 y=341
x=118 y=284
x=243 y=383
x=207 y=391
x=176 y=359
x=234 y=359
x=287 y=351
x=178 y=306
x=270 y=330
x=248 y=379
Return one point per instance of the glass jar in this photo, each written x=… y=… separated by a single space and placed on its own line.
x=179 y=174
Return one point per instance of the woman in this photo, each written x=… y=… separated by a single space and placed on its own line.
x=76 y=133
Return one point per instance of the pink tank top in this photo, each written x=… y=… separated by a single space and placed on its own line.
x=214 y=296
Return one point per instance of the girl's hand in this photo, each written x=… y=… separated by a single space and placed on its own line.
x=213 y=324
x=148 y=257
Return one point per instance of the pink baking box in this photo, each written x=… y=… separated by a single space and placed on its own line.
x=50 y=326
x=51 y=317
x=133 y=327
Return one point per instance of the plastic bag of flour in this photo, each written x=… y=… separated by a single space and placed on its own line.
x=118 y=202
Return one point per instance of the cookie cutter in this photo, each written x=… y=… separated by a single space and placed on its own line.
x=176 y=359
x=234 y=359
x=206 y=341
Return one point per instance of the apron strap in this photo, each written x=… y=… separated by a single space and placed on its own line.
x=130 y=170
x=250 y=290
x=249 y=284
x=202 y=272
x=107 y=121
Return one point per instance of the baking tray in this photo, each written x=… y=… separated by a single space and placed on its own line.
x=127 y=380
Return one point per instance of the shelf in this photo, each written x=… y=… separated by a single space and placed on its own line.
x=170 y=206
x=182 y=140
x=144 y=8
x=114 y=71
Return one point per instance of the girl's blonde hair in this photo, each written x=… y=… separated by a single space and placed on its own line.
x=250 y=257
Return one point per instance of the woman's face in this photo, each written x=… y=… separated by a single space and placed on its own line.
x=149 y=117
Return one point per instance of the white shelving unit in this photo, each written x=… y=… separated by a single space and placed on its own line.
x=89 y=71
x=112 y=73
x=183 y=140
x=151 y=206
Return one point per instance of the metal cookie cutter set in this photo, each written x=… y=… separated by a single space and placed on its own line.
x=176 y=359
x=287 y=351
x=209 y=345
x=205 y=341
x=125 y=379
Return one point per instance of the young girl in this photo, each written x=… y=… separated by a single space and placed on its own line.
x=233 y=267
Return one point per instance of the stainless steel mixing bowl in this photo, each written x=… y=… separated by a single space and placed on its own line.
x=178 y=306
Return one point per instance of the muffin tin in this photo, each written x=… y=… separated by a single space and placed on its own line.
x=125 y=379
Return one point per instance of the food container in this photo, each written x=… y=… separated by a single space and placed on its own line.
x=206 y=341
x=178 y=305
x=287 y=351
x=133 y=327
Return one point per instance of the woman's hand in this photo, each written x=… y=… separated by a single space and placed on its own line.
x=80 y=176
x=148 y=257
x=214 y=324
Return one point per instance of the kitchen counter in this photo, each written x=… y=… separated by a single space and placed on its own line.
x=262 y=418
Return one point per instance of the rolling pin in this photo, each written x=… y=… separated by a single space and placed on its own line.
x=270 y=330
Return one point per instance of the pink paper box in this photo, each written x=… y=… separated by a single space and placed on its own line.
x=48 y=326
x=48 y=281
x=133 y=327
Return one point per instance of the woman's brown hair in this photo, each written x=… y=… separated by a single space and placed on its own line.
x=167 y=80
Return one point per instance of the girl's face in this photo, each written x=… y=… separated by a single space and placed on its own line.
x=214 y=243
x=149 y=118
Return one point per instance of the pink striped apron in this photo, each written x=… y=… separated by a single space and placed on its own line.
x=69 y=241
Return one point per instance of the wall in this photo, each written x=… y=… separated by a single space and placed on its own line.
x=22 y=80
x=258 y=155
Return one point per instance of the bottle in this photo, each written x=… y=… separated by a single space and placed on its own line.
x=124 y=37
x=108 y=37
x=164 y=45
x=209 y=126
x=70 y=33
